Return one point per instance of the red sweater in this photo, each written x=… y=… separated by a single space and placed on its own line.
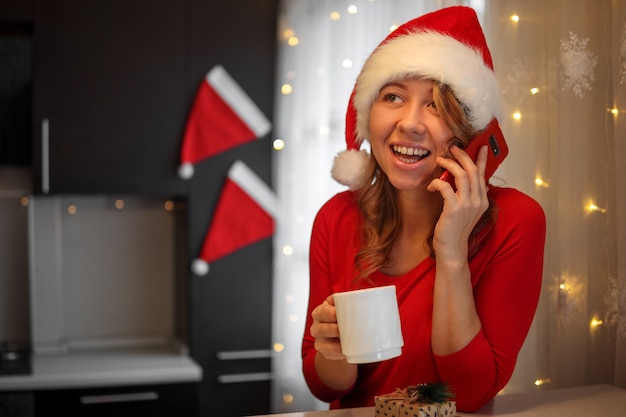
x=506 y=277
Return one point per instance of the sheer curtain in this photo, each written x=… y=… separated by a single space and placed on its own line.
x=562 y=69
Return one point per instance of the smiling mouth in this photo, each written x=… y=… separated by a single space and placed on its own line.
x=409 y=155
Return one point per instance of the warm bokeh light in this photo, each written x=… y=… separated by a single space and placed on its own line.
x=278 y=144
x=286 y=89
x=541 y=183
x=593 y=207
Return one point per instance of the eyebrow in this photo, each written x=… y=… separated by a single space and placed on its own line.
x=393 y=84
x=401 y=84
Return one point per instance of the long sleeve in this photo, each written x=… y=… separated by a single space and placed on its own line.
x=324 y=277
x=506 y=292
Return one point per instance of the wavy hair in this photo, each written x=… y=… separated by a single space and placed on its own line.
x=377 y=201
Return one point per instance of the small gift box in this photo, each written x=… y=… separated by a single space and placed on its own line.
x=423 y=400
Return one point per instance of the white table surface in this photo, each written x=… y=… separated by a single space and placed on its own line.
x=586 y=401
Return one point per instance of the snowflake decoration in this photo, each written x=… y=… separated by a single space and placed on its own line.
x=517 y=84
x=577 y=64
x=623 y=55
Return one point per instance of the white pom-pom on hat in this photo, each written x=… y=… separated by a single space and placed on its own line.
x=185 y=170
x=349 y=167
x=199 y=267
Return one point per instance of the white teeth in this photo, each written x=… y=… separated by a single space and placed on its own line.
x=409 y=151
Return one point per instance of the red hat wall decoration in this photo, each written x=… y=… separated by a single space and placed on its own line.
x=244 y=215
x=222 y=117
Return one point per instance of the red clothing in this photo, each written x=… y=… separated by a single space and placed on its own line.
x=506 y=277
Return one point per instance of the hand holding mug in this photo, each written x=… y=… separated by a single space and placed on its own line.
x=325 y=330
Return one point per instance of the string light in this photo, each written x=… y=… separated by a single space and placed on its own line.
x=352 y=9
x=596 y=322
x=592 y=207
x=278 y=144
x=541 y=183
x=517 y=115
x=540 y=382
x=614 y=111
x=335 y=16
x=534 y=90
x=515 y=18
x=286 y=89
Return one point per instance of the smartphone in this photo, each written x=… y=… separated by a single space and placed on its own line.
x=498 y=150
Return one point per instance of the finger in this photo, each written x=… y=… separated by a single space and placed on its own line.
x=324 y=330
x=441 y=186
x=325 y=313
x=454 y=167
x=331 y=300
x=481 y=160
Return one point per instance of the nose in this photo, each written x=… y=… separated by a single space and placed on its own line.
x=412 y=120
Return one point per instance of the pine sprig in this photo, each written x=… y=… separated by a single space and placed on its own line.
x=431 y=393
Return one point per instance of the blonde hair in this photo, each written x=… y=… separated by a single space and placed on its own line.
x=377 y=197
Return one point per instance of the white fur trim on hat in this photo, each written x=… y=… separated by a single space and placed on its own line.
x=435 y=56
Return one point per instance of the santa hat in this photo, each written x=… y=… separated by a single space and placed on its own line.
x=447 y=46
x=222 y=116
x=244 y=215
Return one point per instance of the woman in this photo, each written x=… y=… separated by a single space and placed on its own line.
x=466 y=260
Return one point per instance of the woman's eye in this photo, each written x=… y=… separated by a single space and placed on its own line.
x=432 y=104
x=392 y=98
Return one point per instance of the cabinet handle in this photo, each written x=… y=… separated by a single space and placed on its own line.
x=45 y=156
x=244 y=354
x=119 y=398
x=251 y=377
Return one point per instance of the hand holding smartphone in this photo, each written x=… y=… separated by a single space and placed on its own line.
x=498 y=150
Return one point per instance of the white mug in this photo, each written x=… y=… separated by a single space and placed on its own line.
x=369 y=324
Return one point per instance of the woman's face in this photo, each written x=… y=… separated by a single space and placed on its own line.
x=407 y=134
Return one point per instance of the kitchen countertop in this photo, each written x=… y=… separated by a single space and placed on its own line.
x=106 y=367
x=585 y=401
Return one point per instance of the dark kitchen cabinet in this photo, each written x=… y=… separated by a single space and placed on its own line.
x=154 y=400
x=231 y=306
x=113 y=82
x=109 y=96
